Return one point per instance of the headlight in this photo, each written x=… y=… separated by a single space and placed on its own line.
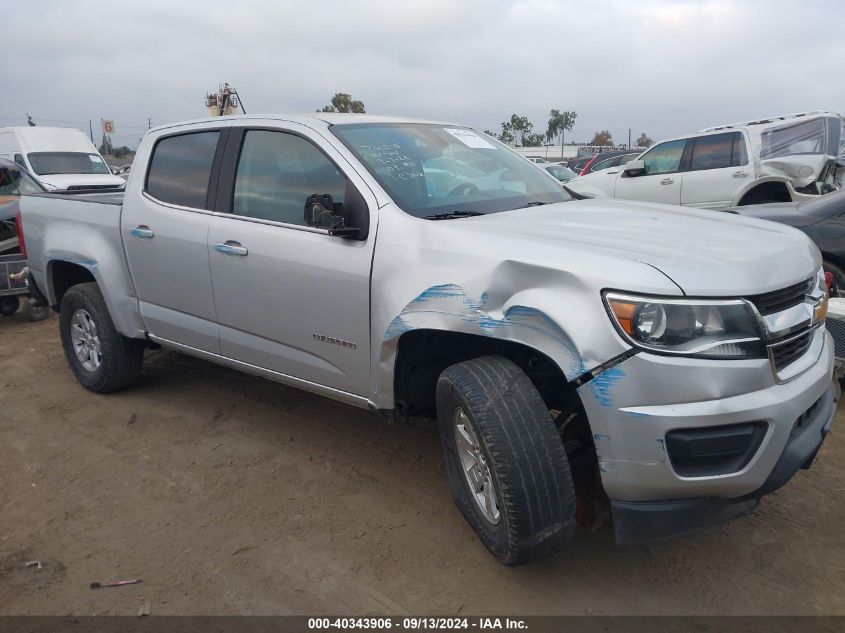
x=711 y=329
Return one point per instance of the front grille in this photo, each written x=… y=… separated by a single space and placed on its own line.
x=779 y=300
x=784 y=354
x=836 y=327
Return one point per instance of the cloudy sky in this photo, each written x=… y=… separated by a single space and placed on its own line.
x=663 y=67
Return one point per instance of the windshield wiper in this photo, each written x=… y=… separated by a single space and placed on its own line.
x=535 y=203
x=451 y=215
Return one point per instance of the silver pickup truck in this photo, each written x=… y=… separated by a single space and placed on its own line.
x=656 y=364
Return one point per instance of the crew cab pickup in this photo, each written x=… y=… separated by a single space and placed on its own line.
x=659 y=365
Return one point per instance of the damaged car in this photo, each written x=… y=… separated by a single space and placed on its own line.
x=662 y=366
x=788 y=158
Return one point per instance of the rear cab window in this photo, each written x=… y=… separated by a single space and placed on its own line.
x=180 y=169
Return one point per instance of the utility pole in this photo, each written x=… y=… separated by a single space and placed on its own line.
x=91 y=130
x=629 y=138
x=149 y=123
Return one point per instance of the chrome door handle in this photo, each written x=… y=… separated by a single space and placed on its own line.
x=667 y=181
x=231 y=248
x=142 y=231
x=739 y=174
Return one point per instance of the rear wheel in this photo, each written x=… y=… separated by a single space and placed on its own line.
x=36 y=312
x=507 y=467
x=102 y=359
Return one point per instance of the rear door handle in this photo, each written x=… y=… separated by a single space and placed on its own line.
x=142 y=231
x=667 y=181
x=739 y=174
x=231 y=248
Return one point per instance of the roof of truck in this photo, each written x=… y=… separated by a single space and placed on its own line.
x=330 y=118
x=772 y=119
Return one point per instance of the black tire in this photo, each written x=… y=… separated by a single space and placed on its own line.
x=121 y=357
x=527 y=462
x=36 y=312
x=838 y=274
x=9 y=305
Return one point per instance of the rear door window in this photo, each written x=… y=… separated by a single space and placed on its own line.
x=180 y=169
x=718 y=151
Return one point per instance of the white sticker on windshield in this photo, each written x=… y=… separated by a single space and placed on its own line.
x=470 y=138
x=94 y=158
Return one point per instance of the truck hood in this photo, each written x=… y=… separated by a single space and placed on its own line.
x=63 y=181
x=706 y=253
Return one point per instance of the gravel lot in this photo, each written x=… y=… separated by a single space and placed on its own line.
x=228 y=494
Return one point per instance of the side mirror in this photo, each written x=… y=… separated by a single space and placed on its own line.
x=322 y=212
x=634 y=168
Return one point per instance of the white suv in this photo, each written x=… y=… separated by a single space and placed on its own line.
x=780 y=159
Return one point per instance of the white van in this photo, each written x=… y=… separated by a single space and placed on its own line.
x=58 y=157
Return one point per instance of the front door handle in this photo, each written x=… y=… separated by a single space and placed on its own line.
x=739 y=174
x=231 y=248
x=142 y=231
x=667 y=181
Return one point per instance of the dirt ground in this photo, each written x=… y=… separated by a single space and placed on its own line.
x=228 y=494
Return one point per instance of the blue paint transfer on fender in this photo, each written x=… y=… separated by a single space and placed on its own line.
x=603 y=384
x=451 y=299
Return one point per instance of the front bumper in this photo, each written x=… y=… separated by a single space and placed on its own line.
x=632 y=407
x=641 y=521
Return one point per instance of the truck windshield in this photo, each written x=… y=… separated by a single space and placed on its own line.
x=45 y=163
x=434 y=170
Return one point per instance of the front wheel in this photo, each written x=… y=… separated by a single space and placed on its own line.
x=507 y=467
x=102 y=359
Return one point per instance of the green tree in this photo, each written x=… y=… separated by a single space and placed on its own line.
x=602 y=138
x=105 y=146
x=518 y=129
x=342 y=102
x=533 y=140
x=121 y=152
x=644 y=141
x=560 y=123
x=507 y=135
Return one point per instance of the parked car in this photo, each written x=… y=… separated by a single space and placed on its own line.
x=536 y=159
x=822 y=219
x=674 y=362
x=123 y=171
x=58 y=158
x=613 y=161
x=783 y=159
x=15 y=182
x=577 y=164
x=563 y=174
x=608 y=159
